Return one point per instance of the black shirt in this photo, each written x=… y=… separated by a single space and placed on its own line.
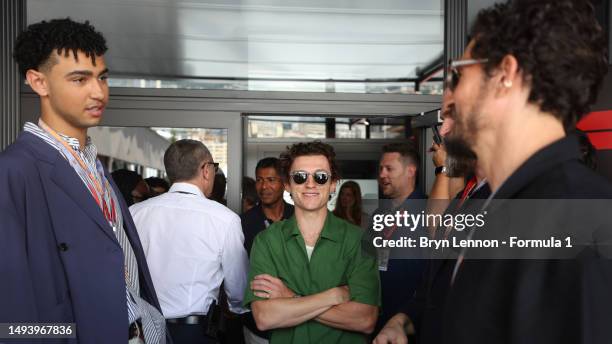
x=255 y=221
x=539 y=300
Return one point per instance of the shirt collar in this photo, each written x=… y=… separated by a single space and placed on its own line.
x=287 y=210
x=186 y=187
x=330 y=228
x=558 y=152
x=73 y=142
x=90 y=152
x=416 y=194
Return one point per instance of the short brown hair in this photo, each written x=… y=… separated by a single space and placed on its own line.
x=309 y=148
x=407 y=151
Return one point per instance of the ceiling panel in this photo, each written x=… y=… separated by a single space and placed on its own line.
x=260 y=39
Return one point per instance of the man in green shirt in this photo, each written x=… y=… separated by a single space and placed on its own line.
x=310 y=279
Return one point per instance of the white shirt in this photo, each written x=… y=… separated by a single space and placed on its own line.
x=192 y=244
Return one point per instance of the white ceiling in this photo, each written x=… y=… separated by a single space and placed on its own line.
x=291 y=39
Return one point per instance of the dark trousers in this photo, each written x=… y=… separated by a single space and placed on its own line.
x=188 y=334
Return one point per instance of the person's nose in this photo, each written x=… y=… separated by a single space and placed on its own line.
x=310 y=183
x=382 y=173
x=98 y=89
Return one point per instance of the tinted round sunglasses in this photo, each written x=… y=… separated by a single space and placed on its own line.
x=300 y=177
x=454 y=73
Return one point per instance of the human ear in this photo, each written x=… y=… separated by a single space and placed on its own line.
x=412 y=169
x=205 y=173
x=509 y=71
x=38 y=82
x=287 y=187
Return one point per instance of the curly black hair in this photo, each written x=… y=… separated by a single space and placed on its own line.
x=306 y=149
x=34 y=46
x=560 y=49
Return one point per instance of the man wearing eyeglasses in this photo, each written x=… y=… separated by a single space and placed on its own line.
x=192 y=244
x=310 y=279
x=532 y=69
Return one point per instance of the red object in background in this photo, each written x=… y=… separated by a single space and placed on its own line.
x=598 y=127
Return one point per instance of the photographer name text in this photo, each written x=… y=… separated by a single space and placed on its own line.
x=454 y=242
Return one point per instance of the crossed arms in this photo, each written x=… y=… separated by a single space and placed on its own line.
x=330 y=307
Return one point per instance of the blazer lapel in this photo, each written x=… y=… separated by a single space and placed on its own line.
x=64 y=176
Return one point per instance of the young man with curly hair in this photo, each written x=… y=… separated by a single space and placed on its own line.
x=310 y=279
x=69 y=251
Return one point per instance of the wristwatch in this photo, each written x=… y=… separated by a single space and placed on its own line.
x=441 y=169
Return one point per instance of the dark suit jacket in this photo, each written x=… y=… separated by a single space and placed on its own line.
x=544 y=300
x=59 y=258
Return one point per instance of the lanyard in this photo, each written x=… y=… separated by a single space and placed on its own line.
x=92 y=183
x=184 y=193
x=466 y=191
x=388 y=232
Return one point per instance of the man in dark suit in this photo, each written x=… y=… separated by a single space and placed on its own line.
x=530 y=71
x=69 y=251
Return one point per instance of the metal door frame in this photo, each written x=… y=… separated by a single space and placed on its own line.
x=136 y=107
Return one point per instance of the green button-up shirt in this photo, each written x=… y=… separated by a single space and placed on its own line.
x=337 y=259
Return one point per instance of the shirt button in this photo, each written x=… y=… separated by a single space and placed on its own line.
x=63 y=247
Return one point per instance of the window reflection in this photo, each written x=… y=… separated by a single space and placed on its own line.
x=268 y=127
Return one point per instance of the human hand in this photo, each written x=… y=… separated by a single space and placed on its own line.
x=339 y=294
x=270 y=287
x=439 y=154
x=392 y=333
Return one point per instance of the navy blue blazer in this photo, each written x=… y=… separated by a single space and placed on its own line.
x=59 y=258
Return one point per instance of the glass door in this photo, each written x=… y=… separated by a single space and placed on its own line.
x=137 y=139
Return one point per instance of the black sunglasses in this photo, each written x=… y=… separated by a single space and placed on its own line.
x=215 y=164
x=454 y=74
x=300 y=177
